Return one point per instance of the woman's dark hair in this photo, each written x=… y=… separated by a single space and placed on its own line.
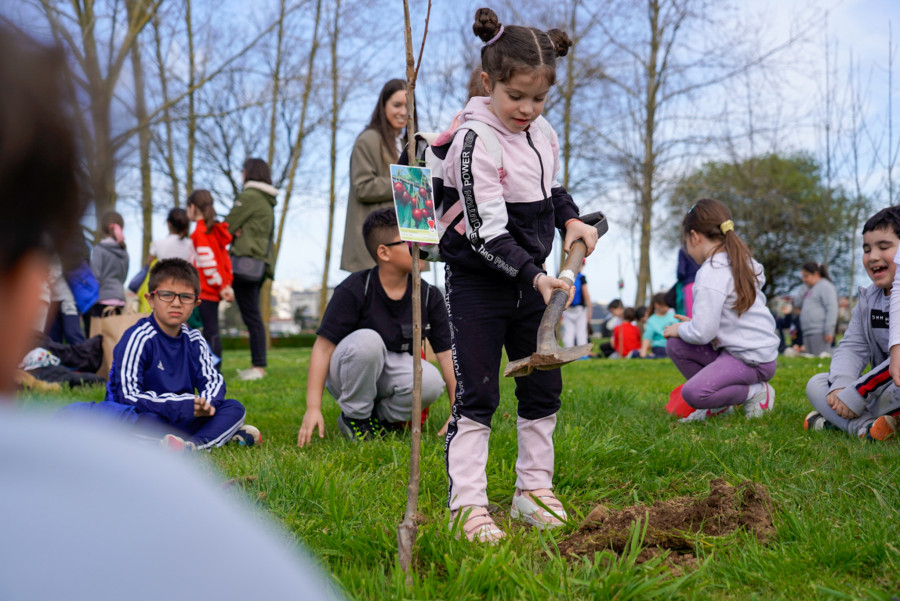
x=518 y=49
x=107 y=221
x=179 y=222
x=378 y=121
x=257 y=170
x=640 y=312
x=813 y=267
x=707 y=217
x=203 y=200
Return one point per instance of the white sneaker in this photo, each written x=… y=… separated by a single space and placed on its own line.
x=253 y=373
x=701 y=414
x=247 y=436
x=525 y=508
x=759 y=403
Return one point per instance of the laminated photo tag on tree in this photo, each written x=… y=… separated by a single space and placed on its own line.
x=414 y=203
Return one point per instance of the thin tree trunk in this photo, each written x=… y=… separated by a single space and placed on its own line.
x=276 y=84
x=296 y=151
x=192 y=113
x=406 y=532
x=143 y=141
x=265 y=293
x=167 y=119
x=567 y=97
x=648 y=163
x=323 y=292
x=301 y=131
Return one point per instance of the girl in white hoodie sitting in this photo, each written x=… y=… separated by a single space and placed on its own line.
x=728 y=350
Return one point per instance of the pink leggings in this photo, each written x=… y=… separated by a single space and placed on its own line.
x=714 y=378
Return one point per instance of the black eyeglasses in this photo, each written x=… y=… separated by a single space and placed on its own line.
x=167 y=296
x=395 y=243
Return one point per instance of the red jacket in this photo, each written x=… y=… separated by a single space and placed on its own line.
x=213 y=261
x=626 y=338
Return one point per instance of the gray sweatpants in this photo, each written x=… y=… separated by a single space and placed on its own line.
x=816 y=344
x=888 y=401
x=368 y=379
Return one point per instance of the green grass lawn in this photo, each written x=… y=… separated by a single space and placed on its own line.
x=836 y=499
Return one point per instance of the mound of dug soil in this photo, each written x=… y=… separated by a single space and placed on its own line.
x=675 y=524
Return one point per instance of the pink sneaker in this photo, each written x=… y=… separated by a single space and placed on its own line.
x=477 y=525
x=176 y=443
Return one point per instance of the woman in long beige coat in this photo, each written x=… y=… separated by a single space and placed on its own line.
x=375 y=149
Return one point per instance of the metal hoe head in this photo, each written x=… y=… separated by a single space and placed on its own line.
x=549 y=355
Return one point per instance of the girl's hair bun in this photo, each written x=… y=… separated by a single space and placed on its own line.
x=561 y=41
x=486 y=24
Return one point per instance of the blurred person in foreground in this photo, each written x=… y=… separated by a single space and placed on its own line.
x=77 y=496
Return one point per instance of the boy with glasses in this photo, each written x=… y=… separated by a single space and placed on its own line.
x=160 y=362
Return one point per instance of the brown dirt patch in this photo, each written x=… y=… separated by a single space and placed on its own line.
x=676 y=524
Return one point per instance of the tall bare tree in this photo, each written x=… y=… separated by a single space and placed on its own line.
x=100 y=64
x=656 y=76
x=332 y=194
x=140 y=110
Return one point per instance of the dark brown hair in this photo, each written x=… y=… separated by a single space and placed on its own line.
x=476 y=85
x=629 y=314
x=706 y=218
x=109 y=219
x=813 y=267
x=659 y=299
x=177 y=270
x=203 y=200
x=257 y=170
x=518 y=49
x=378 y=121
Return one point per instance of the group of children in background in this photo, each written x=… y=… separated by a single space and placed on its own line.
x=500 y=226
x=636 y=332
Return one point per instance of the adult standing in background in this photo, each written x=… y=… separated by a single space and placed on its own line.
x=818 y=310
x=375 y=149
x=252 y=222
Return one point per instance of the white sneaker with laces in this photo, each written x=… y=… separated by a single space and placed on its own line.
x=759 y=403
x=701 y=414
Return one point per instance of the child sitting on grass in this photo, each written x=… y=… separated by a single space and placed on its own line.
x=727 y=351
x=653 y=345
x=844 y=398
x=160 y=362
x=626 y=336
x=363 y=349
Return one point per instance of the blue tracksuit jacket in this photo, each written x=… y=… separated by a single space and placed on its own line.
x=157 y=373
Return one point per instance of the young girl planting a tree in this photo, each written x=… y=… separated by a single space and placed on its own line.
x=499 y=233
x=727 y=351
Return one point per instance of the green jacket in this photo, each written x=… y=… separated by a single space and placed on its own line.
x=253 y=214
x=370 y=189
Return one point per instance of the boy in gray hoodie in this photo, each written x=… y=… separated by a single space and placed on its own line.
x=864 y=405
